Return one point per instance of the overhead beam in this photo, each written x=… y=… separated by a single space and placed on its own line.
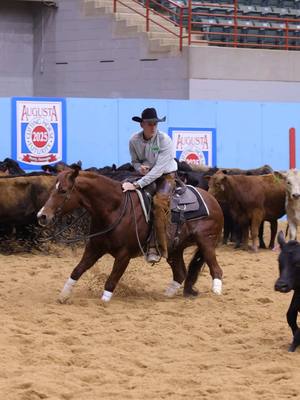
x=44 y=2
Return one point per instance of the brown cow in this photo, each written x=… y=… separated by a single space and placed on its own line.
x=252 y=200
x=20 y=199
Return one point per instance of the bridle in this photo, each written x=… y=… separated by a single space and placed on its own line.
x=85 y=237
x=67 y=197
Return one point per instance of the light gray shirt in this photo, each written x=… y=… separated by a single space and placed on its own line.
x=156 y=153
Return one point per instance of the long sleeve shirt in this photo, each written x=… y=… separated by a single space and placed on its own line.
x=156 y=153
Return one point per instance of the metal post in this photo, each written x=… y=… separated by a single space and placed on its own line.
x=180 y=28
x=147 y=15
x=189 y=22
x=292 y=147
x=235 y=23
x=115 y=6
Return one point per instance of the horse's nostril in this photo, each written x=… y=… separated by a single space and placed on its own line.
x=42 y=220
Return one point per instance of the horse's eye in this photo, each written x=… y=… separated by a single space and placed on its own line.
x=62 y=191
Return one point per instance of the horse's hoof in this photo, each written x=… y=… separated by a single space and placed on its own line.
x=292 y=348
x=62 y=299
x=190 y=292
x=172 y=289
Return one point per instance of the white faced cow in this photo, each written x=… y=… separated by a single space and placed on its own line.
x=292 y=202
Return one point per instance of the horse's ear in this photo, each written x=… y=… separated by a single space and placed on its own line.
x=280 y=239
x=75 y=172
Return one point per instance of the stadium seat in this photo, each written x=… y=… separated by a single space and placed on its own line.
x=248 y=10
x=266 y=11
x=286 y=13
x=218 y=11
x=269 y=34
x=273 y=3
x=280 y=30
x=287 y=4
x=294 y=36
x=228 y=29
x=248 y=32
x=216 y=33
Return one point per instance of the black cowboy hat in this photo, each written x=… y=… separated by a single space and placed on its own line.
x=149 y=115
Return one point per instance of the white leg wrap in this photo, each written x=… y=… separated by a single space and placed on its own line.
x=217 y=286
x=106 y=296
x=172 y=289
x=67 y=290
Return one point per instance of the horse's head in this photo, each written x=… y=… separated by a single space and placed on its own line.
x=62 y=199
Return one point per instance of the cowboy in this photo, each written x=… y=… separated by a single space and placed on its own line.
x=152 y=156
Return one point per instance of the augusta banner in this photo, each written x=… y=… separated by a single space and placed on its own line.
x=38 y=131
x=195 y=146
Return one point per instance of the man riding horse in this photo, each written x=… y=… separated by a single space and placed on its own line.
x=152 y=156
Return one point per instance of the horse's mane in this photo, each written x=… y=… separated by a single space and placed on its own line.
x=96 y=176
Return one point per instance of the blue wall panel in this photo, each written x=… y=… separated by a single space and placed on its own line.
x=5 y=130
x=249 y=134
x=239 y=134
x=92 y=131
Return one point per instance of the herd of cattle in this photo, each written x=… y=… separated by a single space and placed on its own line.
x=247 y=198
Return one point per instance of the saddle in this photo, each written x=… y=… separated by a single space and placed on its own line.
x=186 y=203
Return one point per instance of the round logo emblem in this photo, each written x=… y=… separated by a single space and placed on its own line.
x=193 y=156
x=39 y=136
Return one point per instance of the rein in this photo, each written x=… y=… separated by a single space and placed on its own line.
x=106 y=230
x=136 y=229
x=64 y=228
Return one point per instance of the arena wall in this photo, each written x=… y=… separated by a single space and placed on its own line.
x=249 y=134
x=68 y=52
x=16 y=43
x=244 y=74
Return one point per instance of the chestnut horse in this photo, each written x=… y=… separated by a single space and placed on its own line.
x=118 y=227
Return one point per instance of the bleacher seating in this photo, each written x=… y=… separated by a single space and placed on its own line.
x=261 y=23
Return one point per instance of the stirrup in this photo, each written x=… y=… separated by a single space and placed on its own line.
x=152 y=257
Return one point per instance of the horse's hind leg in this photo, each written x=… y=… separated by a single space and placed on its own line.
x=90 y=256
x=176 y=261
x=209 y=254
x=192 y=275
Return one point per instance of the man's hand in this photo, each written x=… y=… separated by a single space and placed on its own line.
x=144 y=169
x=128 y=186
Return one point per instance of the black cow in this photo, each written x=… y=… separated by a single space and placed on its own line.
x=54 y=169
x=11 y=167
x=289 y=279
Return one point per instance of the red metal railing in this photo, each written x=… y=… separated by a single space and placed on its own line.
x=169 y=11
x=229 y=26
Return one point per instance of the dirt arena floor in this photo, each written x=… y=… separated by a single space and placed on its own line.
x=142 y=345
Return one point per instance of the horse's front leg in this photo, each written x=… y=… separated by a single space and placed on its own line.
x=91 y=254
x=120 y=264
x=176 y=261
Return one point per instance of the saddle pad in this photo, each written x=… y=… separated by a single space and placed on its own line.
x=196 y=209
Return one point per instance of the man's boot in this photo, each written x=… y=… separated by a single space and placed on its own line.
x=161 y=213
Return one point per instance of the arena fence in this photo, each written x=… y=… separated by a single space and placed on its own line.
x=230 y=24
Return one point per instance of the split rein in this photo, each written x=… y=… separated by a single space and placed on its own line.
x=102 y=232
